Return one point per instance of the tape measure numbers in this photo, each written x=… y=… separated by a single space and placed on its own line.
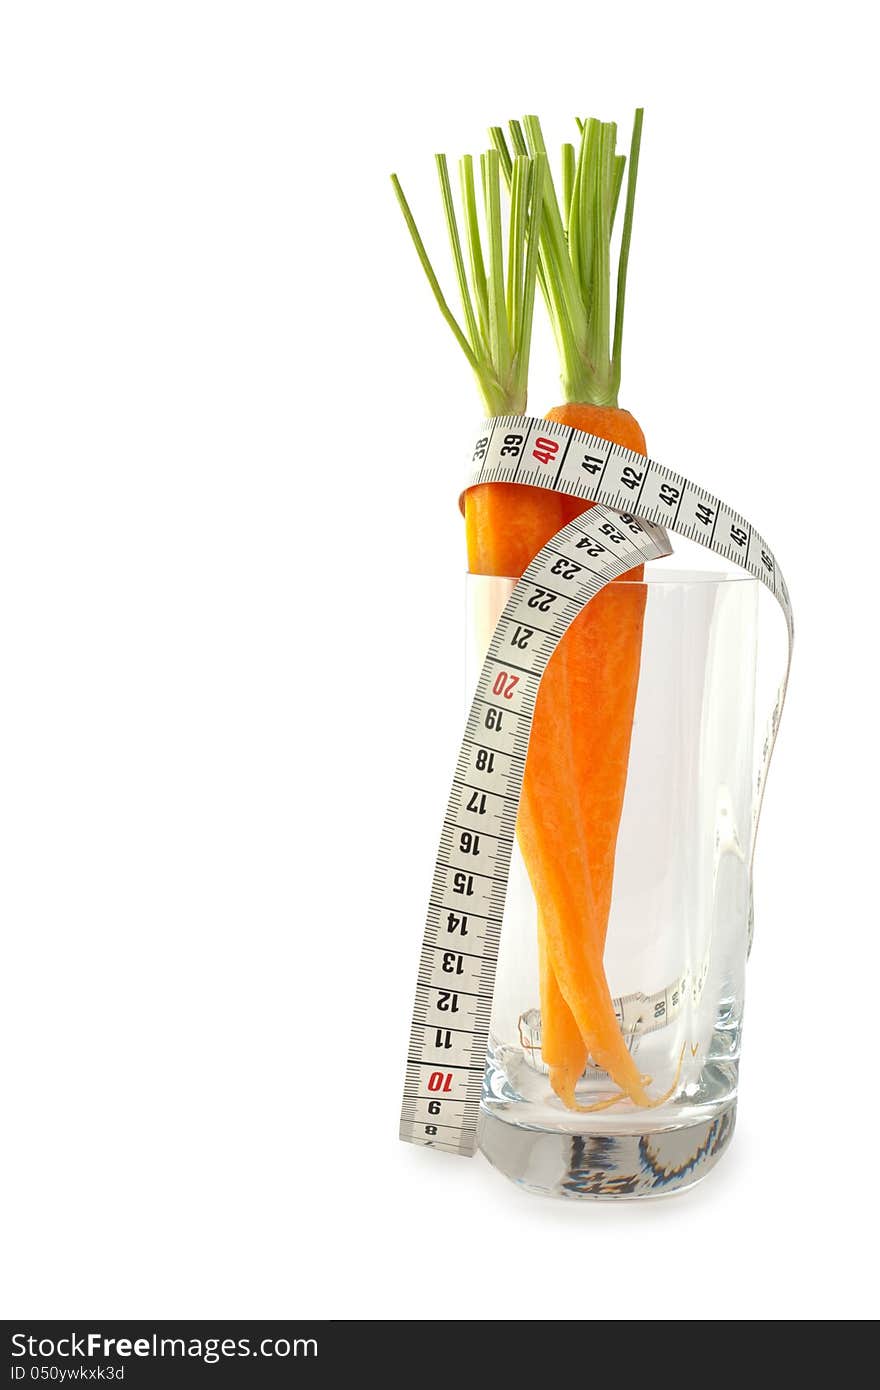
x=637 y=502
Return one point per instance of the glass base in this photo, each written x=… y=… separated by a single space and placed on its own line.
x=654 y=1163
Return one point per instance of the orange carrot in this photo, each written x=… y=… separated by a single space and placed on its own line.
x=567 y=830
x=575 y=773
x=563 y=1050
x=601 y=651
x=507 y=524
x=603 y=668
x=604 y=672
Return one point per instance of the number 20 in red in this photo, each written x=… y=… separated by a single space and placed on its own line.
x=505 y=685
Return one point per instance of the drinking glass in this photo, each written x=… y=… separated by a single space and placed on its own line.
x=678 y=932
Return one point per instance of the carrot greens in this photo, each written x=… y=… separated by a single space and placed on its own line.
x=497 y=292
x=575 y=262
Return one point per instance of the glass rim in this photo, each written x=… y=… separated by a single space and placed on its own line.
x=658 y=576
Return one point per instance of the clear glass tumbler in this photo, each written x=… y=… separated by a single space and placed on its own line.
x=678 y=933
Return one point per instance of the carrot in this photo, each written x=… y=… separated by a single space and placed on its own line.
x=571 y=870
x=602 y=649
x=562 y=1047
x=604 y=673
x=575 y=773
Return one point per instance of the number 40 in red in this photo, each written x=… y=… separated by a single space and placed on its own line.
x=545 y=450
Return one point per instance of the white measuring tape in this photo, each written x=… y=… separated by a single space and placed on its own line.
x=638 y=501
x=637 y=1015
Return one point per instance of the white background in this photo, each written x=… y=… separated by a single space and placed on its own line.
x=218 y=354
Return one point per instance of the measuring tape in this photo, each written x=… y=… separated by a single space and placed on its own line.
x=637 y=1014
x=637 y=502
